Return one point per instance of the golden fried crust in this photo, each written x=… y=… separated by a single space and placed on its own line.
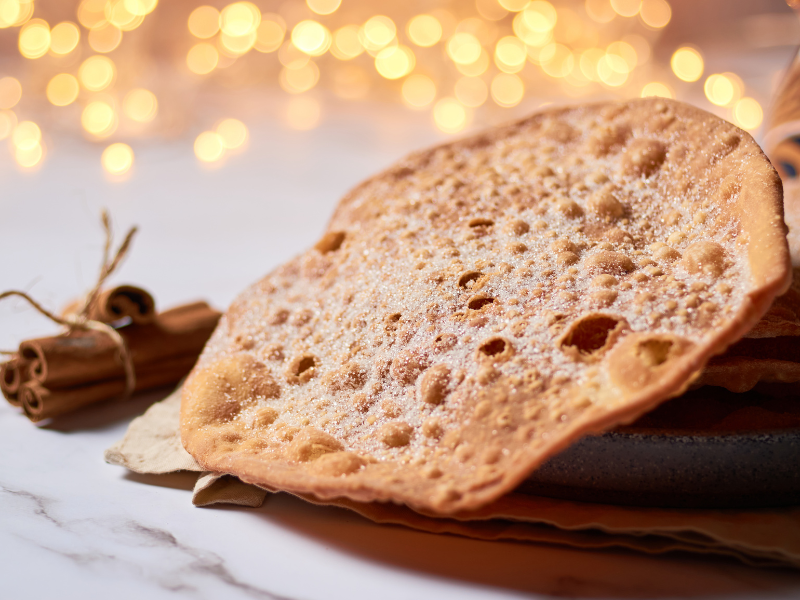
x=480 y=305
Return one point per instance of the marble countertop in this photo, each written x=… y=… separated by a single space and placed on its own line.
x=72 y=526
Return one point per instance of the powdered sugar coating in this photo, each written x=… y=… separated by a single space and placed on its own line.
x=481 y=304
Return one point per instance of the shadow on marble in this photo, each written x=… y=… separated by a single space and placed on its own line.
x=181 y=480
x=107 y=413
x=524 y=567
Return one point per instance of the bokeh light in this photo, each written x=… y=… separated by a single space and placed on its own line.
x=477 y=68
x=140 y=105
x=8 y=121
x=464 y=48
x=10 y=92
x=600 y=11
x=656 y=88
x=377 y=32
x=490 y=10
x=64 y=38
x=748 y=113
x=719 y=89
x=62 y=89
x=311 y=38
x=26 y=135
x=346 y=44
x=232 y=132
x=202 y=58
x=507 y=89
x=208 y=147
x=302 y=79
x=513 y=5
x=510 y=54
x=323 y=7
x=239 y=19
x=104 y=37
x=450 y=115
x=99 y=119
x=97 y=73
x=687 y=64
x=418 y=91
x=424 y=30
x=14 y=13
x=626 y=8
x=655 y=13
x=270 y=33
x=28 y=158
x=395 y=62
x=34 y=39
x=204 y=22
x=117 y=159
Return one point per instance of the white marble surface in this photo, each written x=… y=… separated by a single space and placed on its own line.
x=73 y=527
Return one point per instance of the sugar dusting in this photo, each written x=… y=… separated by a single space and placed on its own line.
x=463 y=313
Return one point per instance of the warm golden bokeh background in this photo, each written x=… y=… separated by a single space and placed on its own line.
x=117 y=71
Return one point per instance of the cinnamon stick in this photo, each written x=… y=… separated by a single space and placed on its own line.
x=80 y=357
x=13 y=374
x=123 y=301
x=117 y=303
x=40 y=402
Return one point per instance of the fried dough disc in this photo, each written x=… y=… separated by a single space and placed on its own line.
x=769 y=353
x=479 y=306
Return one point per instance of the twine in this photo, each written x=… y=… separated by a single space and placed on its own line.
x=79 y=321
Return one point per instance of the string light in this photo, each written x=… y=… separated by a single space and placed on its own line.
x=62 y=89
x=10 y=92
x=324 y=7
x=117 y=159
x=424 y=30
x=96 y=73
x=626 y=8
x=233 y=133
x=395 y=62
x=204 y=22
x=311 y=37
x=64 y=38
x=687 y=64
x=655 y=13
x=8 y=121
x=34 y=39
x=104 y=37
x=656 y=88
x=748 y=113
x=507 y=90
x=505 y=50
x=209 y=147
x=99 y=119
x=418 y=91
x=270 y=33
x=140 y=105
x=26 y=135
x=202 y=58
x=346 y=44
x=450 y=115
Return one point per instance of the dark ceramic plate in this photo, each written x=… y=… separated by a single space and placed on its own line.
x=664 y=461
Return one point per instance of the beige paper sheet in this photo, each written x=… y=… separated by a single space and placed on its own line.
x=767 y=537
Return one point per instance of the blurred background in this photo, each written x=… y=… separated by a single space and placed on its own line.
x=228 y=130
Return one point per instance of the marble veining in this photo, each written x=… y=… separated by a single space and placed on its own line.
x=174 y=566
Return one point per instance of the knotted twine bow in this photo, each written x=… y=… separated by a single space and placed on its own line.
x=79 y=320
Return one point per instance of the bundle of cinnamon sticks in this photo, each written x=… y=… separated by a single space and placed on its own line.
x=53 y=375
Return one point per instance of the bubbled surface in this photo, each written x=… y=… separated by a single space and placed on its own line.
x=479 y=306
